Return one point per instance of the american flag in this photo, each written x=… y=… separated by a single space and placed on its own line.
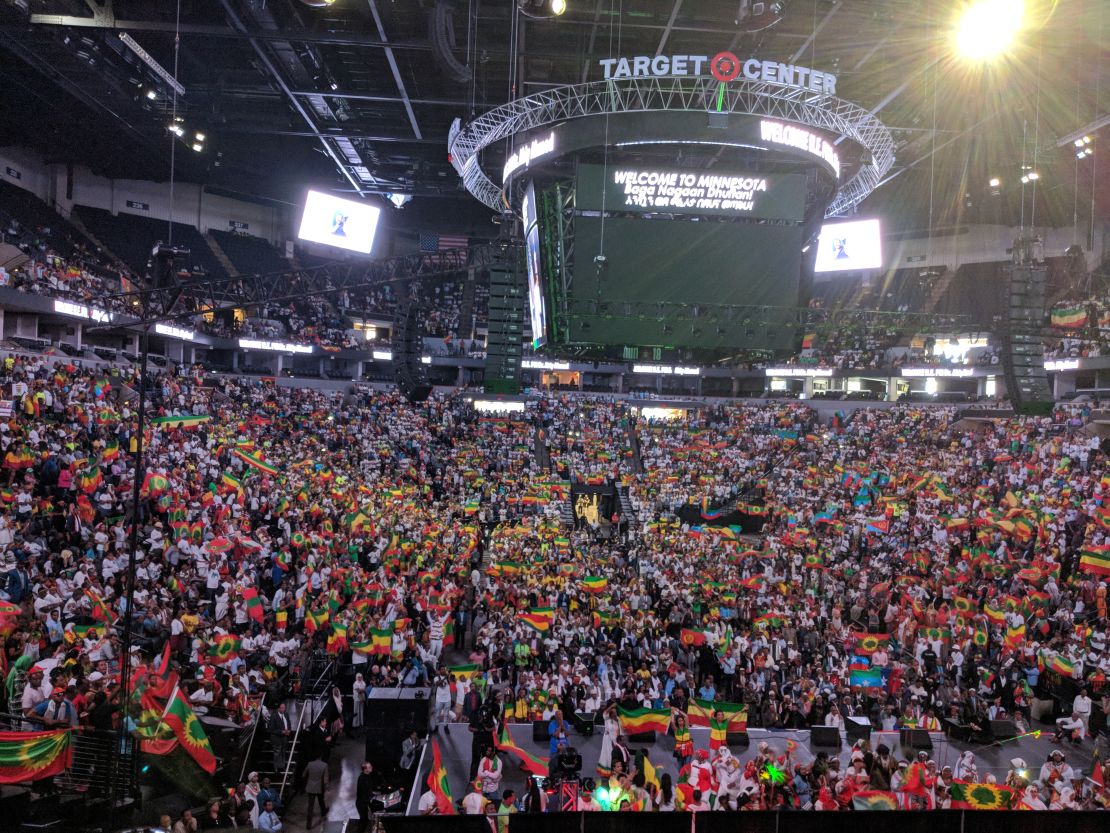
x=432 y=242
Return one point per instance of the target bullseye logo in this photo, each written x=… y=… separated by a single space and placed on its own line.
x=725 y=67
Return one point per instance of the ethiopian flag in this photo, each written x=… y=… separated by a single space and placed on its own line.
x=439 y=785
x=1057 y=663
x=1069 y=318
x=464 y=672
x=183 y=421
x=1095 y=560
x=636 y=721
x=538 y=618
x=255 y=461
x=190 y=734
x=595 y=584
x=700 y=713
x=718 y=733
x=32 y=756
x=980 y=796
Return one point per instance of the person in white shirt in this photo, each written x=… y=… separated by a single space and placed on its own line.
x=490 y=771
x=1081 y=708
x=474 y=803
x=586 y=803
x=428 y=805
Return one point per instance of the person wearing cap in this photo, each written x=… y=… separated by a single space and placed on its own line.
x=37 y=690
x=56 y=711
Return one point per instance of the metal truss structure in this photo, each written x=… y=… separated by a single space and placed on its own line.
x=199 y=294
x=626 y=95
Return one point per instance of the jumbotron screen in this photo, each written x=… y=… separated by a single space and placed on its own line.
x=720 y=193
x=684 y=264
x=333 y=221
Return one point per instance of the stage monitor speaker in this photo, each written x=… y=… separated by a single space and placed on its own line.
x=642 y=737
x=419 y=393
x=737 y=739
x=583 y=723
x=399 y=708
x=916 y=739
x=1003 y=729
x=828 y=736
x=857 y=729
x=539 y=732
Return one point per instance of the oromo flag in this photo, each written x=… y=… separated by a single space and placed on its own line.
x=183 y=720
x=33 y=756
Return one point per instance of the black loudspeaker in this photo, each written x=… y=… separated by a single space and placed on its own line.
x=399 y=708
x=737 y=739
x=825 y=736
x=539 y=732
x=583 y=723
x=420 y=393
x=916 y=739
x=860 y=730
x=642 y=737
x=1003 y=729
x=383 y=748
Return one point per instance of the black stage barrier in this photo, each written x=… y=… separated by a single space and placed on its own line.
x=905 y=821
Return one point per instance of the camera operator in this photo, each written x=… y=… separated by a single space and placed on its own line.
x=483 y=723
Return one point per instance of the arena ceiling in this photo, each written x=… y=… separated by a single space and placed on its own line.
x=359 y=94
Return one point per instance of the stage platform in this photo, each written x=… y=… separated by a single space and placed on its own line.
x=993 y=758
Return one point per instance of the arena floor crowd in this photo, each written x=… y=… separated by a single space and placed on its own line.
x=913 y=568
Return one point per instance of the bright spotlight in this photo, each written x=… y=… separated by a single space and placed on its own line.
x=198 y=147
x=152 y=94
x=1086 y=140
x=176 y=130
x=558 y=7
x=1079 y=143
x=1034 y=176
x=399 y=200
x=200 y=136
x=995 y=182
x=988 y=27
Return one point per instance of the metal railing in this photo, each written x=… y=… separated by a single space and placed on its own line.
x=103 y=762
x=312 y=704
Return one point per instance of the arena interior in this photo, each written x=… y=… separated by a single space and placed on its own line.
x=428 y=415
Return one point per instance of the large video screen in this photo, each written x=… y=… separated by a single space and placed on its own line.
x=722 y=193
x=536 y=310
x=849 y=247
x=345 y=224
x=683 y=266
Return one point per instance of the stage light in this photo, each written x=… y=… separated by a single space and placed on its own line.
x=1034 y=176
x=152 y=94
x=1079 y=143
x=176 y=130
x=399 y=200
x=199 y=136
x=995 y=182
x=542 y=8
x=987 y=28
x=198 y=147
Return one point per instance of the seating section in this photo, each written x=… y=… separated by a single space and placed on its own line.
x=25 y=220
x=250 y=255
x=132 y=239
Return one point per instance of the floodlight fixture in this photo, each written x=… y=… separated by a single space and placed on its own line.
x=987 y=28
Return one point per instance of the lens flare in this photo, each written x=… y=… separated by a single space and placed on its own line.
x=987 y=28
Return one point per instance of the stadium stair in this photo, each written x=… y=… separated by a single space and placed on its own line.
x=566 y=512
x=628 y=512
x=939 y=288
x=466 y=309
x=220 y=255
x=634 y=445
x=539 y=445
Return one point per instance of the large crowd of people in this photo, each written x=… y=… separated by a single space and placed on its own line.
x=409 y=539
